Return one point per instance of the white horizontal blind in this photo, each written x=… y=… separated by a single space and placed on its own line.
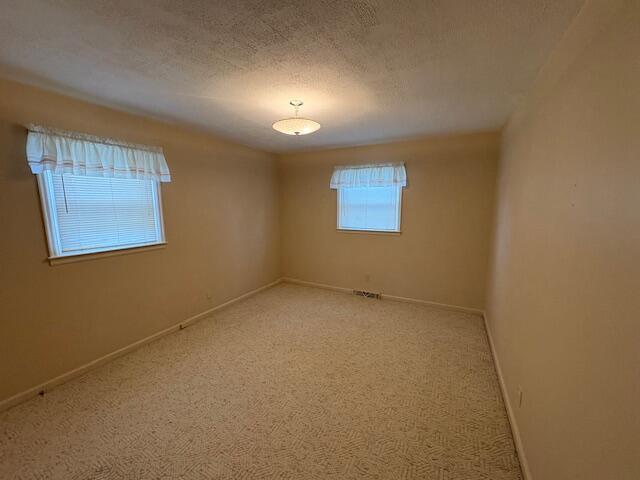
x=369 y=208
x=92 y=214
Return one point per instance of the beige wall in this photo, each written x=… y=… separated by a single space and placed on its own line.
x=442 y=253
x=564 y=299
x=221 y=221
x=564 y=285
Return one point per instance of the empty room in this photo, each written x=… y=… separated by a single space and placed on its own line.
x=320 y=239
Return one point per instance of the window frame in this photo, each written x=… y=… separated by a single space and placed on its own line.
x=52 y=230
x=370 y=230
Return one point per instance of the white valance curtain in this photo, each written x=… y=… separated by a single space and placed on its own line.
x=378 y=175
x=75 y=153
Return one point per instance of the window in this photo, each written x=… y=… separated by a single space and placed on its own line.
x=86 y=214
x=98 y=194
x=369 y=196
x=369 y=208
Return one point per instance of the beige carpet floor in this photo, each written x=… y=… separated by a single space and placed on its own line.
x=293 y=383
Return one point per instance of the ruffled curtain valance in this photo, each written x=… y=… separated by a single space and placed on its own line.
x=79 y=154
x=380 y=175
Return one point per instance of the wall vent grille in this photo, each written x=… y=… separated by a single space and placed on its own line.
x=365 y=294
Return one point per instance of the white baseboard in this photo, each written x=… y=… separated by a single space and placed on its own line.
x=524 y=465
x=443 y=306
x=316 y=285
x=65 y=377
x=384 y=296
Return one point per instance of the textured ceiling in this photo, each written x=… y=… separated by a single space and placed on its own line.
x=368 y=71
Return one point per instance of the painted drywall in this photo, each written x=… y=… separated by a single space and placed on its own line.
x=442 y=253
x=565 y=283
x=221 y=221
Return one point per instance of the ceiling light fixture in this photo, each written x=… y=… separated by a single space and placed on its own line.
x=296 y=125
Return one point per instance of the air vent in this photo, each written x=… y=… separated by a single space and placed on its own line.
x=364 y=293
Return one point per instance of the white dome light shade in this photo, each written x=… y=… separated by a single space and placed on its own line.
x=296 y=126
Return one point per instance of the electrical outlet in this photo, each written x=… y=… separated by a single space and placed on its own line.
x=519 y=397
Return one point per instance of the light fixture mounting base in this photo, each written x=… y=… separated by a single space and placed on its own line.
x=296 y=103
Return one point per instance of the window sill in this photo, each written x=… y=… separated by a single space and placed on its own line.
x=368 y=232
x=81 y=257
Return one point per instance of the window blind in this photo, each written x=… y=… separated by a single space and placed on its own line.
x=369 y=208
x=94 y=214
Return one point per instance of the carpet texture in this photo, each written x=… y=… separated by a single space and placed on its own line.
x=293 y=383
